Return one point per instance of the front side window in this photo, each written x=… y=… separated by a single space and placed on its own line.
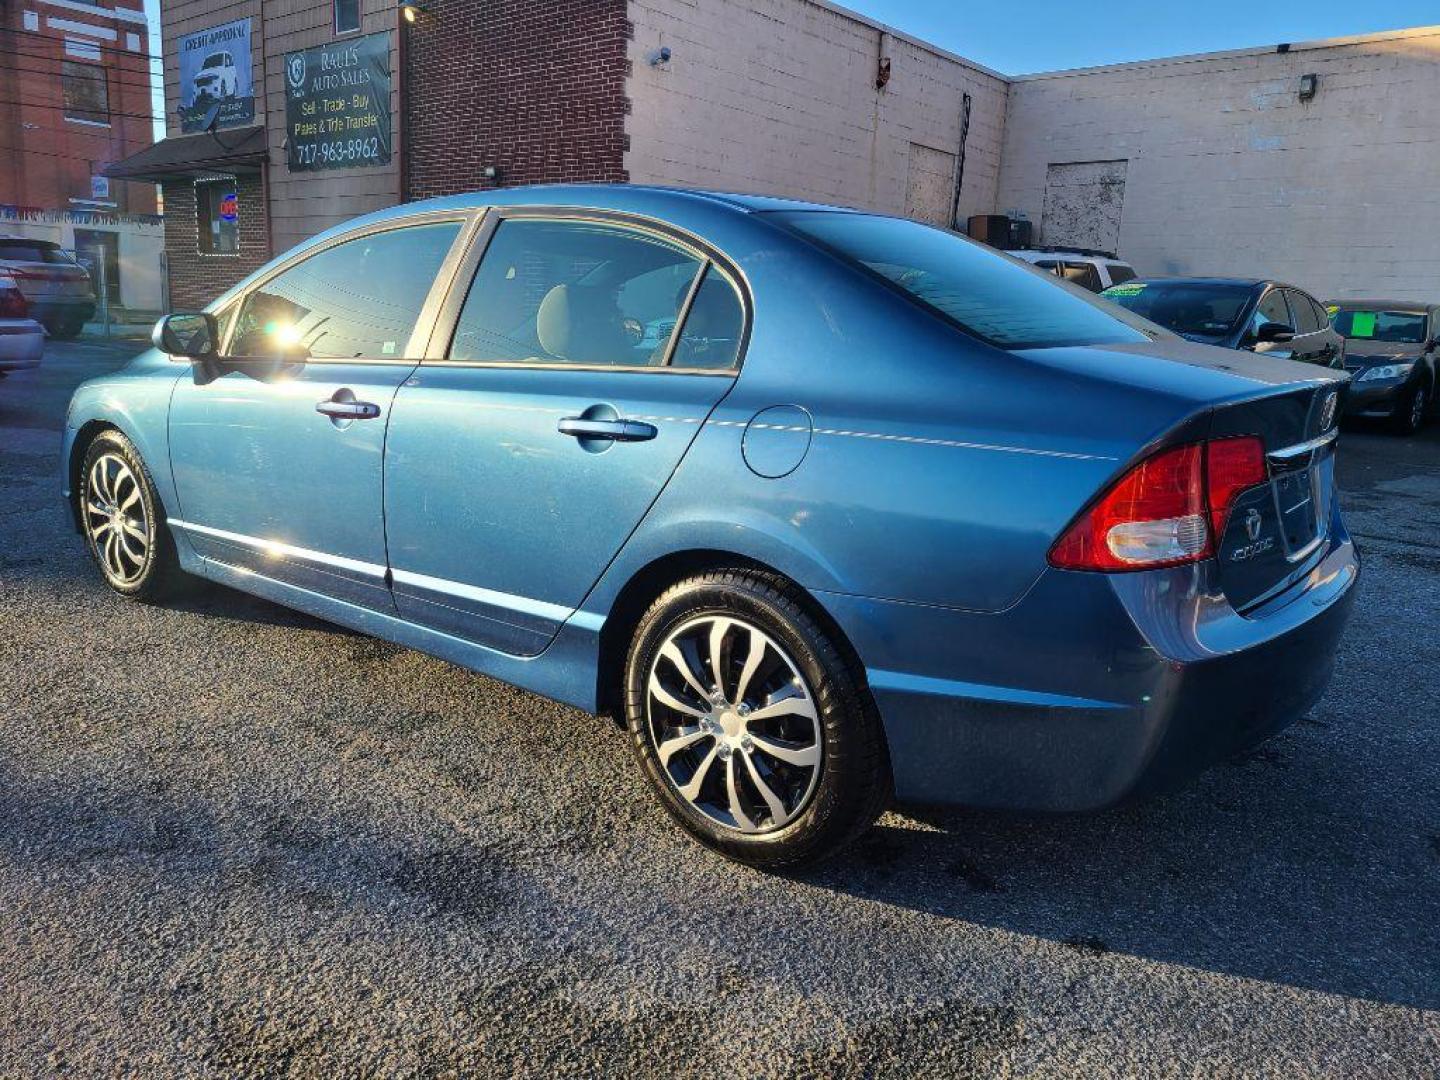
x=217 y=217
x=86 y=93
x=359 y=299
x=347 y=16
x=1303 y=314
x=1272 y=308
x=1406 y=327
x=1120 y=273
x=987 y=295
x=590 y=293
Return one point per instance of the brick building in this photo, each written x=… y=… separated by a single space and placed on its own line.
x=75 y=96
x=1181 y=163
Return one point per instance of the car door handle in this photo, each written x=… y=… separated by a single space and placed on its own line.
x=348 y=410
x=619 y=430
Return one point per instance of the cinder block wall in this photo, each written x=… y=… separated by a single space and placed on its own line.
x=779 y=97
x=1229 y=172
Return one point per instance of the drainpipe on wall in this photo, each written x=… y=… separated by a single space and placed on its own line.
x=881 y=66
x=960 y=161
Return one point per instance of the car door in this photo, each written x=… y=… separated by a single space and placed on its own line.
x=277 y=446
x=586 y=353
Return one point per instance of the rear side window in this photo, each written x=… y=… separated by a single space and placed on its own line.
x=592 y=293
x=1120 y=273
x=359 y=299
x=32 y=251
x=981 y=291
x=1083 y=274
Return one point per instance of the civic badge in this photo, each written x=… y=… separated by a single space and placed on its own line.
x=1253 y=524
x=1327 y=411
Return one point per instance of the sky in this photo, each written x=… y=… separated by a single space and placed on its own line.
x=1043 y=35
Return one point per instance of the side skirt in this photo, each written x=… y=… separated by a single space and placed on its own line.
x=564 y=672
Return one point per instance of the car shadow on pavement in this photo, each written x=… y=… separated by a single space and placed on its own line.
x=1256 y=871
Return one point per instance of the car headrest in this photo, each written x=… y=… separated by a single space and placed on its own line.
x=580 y=323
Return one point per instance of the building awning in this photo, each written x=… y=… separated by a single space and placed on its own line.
x=239 y=150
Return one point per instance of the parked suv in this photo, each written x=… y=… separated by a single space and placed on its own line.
x=1391 y=349
x=56 y=288
x=1088 y=268
x=1237 y=313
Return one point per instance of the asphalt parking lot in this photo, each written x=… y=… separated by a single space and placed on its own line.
x=236 y=841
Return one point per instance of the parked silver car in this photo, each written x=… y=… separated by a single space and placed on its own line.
x=56 y=288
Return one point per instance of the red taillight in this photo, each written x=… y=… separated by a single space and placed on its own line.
x=1231 y=466
x=12 y=304
x=1166 y=511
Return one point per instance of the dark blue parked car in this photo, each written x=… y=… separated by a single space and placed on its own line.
x=827 y=505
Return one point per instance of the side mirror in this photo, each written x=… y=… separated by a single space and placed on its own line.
x=194 y=337
x=1274 y=333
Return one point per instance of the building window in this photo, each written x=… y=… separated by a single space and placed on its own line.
x=347 y=16
x=87 y=98
x=217 y=217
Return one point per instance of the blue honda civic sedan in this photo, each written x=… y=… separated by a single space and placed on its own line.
x=829 y=508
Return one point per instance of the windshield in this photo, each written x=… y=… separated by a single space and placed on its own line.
x=1407 y=327
x=1195 y=310
x=32 y=251
x=995 y=298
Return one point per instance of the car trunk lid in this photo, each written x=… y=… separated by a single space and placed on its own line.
x=1277 y=529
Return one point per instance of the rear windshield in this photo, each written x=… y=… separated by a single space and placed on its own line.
x=32 y=251
x=995 y=298
x=1407 y=327
x=1198 y=310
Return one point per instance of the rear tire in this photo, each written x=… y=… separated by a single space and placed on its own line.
x=782 y=760
x=123 y=522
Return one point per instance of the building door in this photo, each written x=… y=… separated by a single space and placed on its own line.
x=930 y=187
x=1084 y=201
x=93 y=247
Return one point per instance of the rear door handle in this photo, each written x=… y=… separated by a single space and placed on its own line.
x=618 y=430
x=348 y=410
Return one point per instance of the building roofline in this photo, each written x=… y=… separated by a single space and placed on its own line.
x=1226 y=54
x=908 y=38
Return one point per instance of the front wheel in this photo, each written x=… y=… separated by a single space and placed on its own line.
x=754 y=728
x=1413 y=411
x=124 y=523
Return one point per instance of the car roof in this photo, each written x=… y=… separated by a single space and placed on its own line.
x=1067 y=253
x=1413 y=306
x=613 y=196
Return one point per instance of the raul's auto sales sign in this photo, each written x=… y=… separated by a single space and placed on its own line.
x=337 y=105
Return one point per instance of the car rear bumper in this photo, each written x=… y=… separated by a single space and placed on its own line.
x=69 y=307
x=22 y=342
x=1093 y=687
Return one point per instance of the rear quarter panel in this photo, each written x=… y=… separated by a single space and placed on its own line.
x=938 y=470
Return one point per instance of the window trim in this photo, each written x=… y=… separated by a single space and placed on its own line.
x=195 y=189
x=448 y=320
x=104 y=81
x=335 y=19
x=421 y=335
